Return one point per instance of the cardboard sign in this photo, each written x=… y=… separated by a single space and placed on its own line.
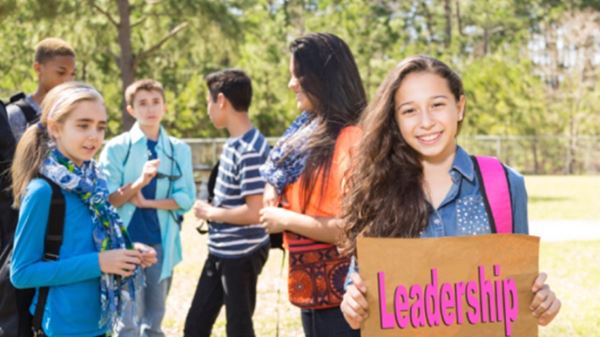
x=455 y=286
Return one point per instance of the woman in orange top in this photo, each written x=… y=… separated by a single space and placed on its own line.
x=304 y=174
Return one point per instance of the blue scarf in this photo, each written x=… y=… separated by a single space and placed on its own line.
x=109 y=233
x=287 y=159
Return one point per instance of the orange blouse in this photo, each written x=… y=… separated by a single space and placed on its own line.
x=327 y=204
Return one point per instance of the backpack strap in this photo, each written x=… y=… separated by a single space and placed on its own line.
x=16 y=97
x=52 y=243
x=7 y=152
x=212 y=181
x=29 y=112
x=495 y=189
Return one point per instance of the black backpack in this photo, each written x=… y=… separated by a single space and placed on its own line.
x=15 y=319
x=8 y=216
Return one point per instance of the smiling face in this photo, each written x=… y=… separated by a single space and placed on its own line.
x=427 y=114
x=81 y=134
x=302 y=101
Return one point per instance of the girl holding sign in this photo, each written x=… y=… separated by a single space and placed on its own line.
x=411 y=179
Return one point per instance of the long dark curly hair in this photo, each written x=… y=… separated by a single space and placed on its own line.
x=325 y=67
x=384 y=196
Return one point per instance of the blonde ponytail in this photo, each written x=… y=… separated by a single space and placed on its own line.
x=30 y=152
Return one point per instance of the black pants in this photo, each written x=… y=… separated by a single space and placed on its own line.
x=326 y=323
x=229 y=282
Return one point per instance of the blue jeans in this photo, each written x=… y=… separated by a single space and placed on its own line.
x=150 y=302
x=326 y=323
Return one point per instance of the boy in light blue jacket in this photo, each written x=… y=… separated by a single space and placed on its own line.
x=151 y=182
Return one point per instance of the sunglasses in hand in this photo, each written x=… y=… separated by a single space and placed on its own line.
x=202 y=228
x=160 y=175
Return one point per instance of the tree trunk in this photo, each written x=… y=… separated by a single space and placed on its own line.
x=126 y=59
x=534 y=150
x=458 y=18
x=428 y=20
x=448 y=14
x=486 y=38
x=571 y=147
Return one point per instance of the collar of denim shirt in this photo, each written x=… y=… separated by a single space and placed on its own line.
x=463 y=165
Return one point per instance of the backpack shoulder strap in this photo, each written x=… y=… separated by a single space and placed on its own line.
x=56 y=217
x=28 y=111
x=495 y=189
x=16 y=97
x=7 y=146
x=52 y=243
x=212 y=181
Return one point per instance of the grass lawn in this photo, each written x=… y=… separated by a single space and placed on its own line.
x=563 y=197
x=270 y=280
x=574 y=274
x=573 y=268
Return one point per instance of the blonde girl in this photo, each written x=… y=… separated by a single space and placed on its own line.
x=96 y=257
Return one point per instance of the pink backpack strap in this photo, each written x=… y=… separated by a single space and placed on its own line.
x=495 y=189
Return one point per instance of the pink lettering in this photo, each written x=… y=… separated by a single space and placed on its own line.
x=401 y=305
x=499 y=299
x=488 y=307
x=417 y=311
x=459 y=288
x=432 y=300
x=487 y=301
x=386 y=319
x=472 y=301
x=510 y=311
x=447 y=296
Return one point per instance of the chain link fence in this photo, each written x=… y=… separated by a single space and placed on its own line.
x=540 y=154
x=527 y=154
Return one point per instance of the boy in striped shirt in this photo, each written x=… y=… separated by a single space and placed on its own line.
x=238 y=246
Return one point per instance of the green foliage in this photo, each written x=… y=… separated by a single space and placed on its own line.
x=504 y=98
x=509 y=92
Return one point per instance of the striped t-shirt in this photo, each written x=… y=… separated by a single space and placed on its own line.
x=238 y=177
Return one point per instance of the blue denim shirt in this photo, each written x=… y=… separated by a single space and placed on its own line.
x=462 y=212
